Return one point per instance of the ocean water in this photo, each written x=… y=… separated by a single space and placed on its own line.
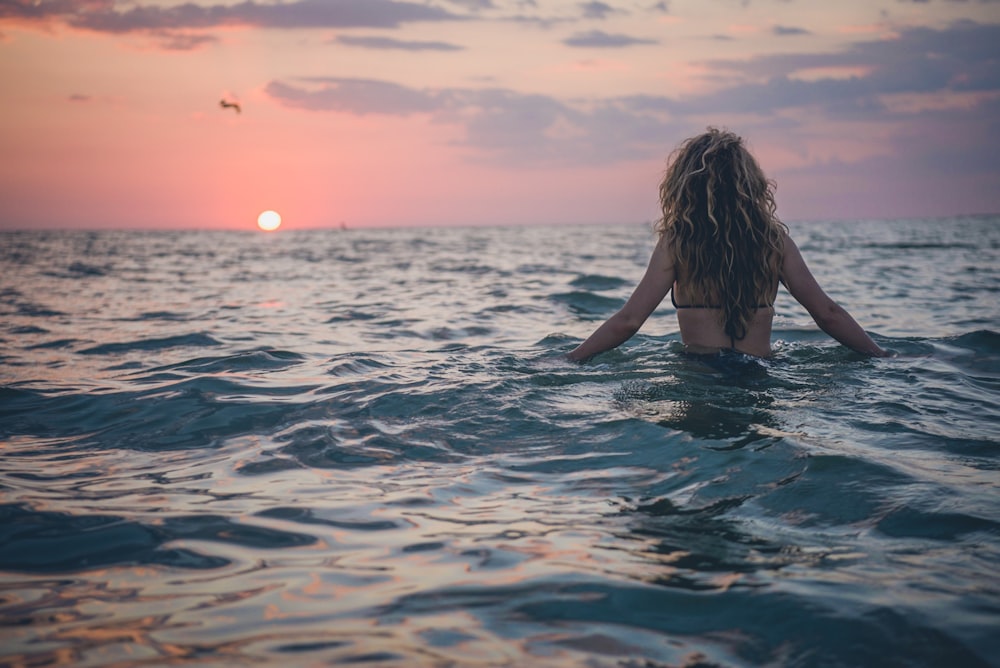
x=317 y=448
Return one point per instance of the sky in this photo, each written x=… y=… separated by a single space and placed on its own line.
x=388 y=113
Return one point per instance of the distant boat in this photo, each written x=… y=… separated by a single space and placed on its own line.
x=229 y=105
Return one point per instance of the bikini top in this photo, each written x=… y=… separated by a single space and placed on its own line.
x=732 y=339
x=673 y=300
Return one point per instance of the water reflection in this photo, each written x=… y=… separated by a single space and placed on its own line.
x=723 y=401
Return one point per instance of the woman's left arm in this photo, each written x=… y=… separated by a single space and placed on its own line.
x=620 y=327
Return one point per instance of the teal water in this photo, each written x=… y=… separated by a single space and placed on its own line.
x=363 y=447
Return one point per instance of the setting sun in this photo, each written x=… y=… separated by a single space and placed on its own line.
x=269 y=221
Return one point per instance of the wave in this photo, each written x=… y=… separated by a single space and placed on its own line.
x=916 y=245
x=56 y=542
x=82 y=269
x=154 y=344
x=587 y=303
x=263 y=360
x=594 y=282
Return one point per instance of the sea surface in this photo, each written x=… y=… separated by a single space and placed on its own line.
x=364 y=447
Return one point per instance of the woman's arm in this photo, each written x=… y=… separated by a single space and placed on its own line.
x=830 y=316
x=620 y=327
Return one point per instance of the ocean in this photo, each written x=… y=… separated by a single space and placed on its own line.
x=328 y=447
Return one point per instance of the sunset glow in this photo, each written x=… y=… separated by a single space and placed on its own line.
x=409 y=113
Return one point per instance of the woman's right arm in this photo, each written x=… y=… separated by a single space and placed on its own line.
x=828 y=314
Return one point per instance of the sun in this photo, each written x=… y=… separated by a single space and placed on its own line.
x=269 y=221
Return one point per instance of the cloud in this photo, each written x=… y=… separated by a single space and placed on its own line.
x=602 y=40
x=474 y=5
x=784 y=31
x=374 y=42
x=28 y=11
x=355 y=96
x=180 y=41
x=511 y=128
x=931 y=163
x=104 y=16
x=597 y=10
x=504 y=126
x=960 y=58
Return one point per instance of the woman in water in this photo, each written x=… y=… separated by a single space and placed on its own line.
x=721 y=254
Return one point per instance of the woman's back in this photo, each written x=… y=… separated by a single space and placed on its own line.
x=703 y=331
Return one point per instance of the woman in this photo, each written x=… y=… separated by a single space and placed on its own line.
x=721 y=253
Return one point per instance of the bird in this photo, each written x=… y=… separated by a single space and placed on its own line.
x=230 y=105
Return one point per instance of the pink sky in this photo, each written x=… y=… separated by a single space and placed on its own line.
x=478 y=112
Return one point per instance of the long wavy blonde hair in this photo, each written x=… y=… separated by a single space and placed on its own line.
x=719 y=218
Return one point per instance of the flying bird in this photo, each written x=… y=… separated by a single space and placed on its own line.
x=230 y=105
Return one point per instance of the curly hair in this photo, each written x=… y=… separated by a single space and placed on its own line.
x=719 y=218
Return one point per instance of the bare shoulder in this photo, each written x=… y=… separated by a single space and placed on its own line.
x=664 y=254
x=792 y=263
x=787 y=243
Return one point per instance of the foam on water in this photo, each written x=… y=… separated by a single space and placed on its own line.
x=338 y=447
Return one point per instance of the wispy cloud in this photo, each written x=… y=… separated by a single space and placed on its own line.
x=503 y=125
x=182 y=41
x=389 y=43
x=962 y=57
x=785 y=31
x=179 y=21
x=474 y=5
x=354 y=96
x=601 y=40
x=105 y=16
x=597 y=10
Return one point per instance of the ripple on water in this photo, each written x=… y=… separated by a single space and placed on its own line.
x=383 y=457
